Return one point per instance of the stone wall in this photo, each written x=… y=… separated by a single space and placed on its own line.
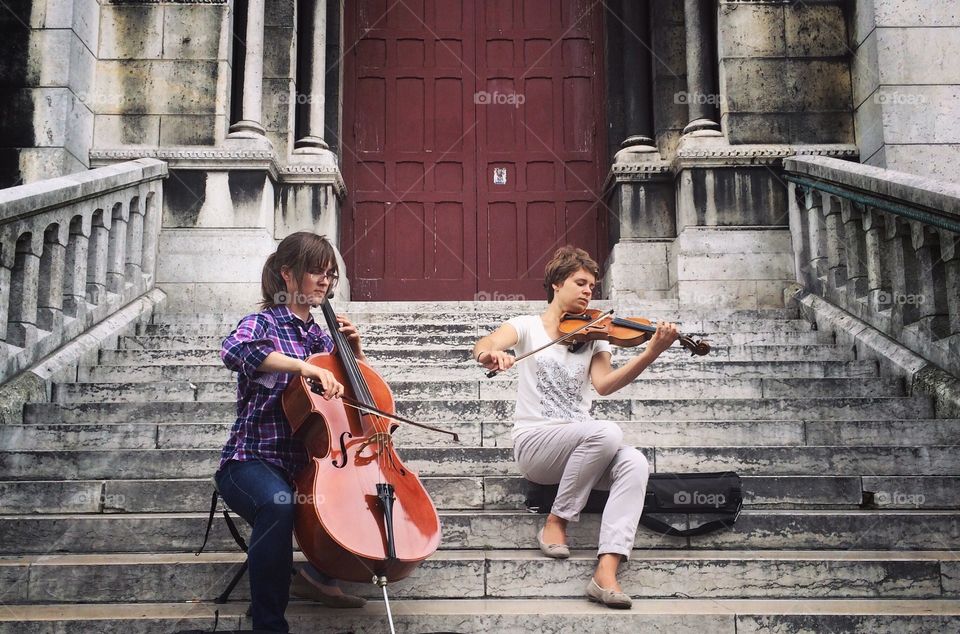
x=784 y=72
x=162 y=74
x=47 y=60
x=906 y=85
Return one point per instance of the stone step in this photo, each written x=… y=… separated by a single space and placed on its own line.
x=463 y=341
x=192 y=495
x=496 y=312
x=476 y=328
x=677 y=616
x=443 y=357
x=509 y=574
x=646 y=388
x=644 y=433
x=844 y=408
x=186 y=495
x=477 y=529
x=675 y=369
x=145 y=464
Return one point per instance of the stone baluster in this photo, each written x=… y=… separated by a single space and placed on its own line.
x=116 y=273
x=24 y=281
x=7 y=260
x=701 y=65
x=816 y=237
x=251 y=115
x=901 y=266
x=852 y=217
x=134 y=255
x=950 y=253
x=929 y=300
x=151 y=220
x=877 y=282
x=50 y=284
x=312 y=141
x=836 y=249
x=97 y=257
x=75 y=268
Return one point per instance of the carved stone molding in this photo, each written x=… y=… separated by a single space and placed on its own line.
x=737 y=155
x=220 y=159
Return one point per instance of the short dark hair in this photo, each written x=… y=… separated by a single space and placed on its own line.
x=301 y=252
x=565 y=262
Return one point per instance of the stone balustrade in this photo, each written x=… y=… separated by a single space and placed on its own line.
x=74 y=250
x=883 y=246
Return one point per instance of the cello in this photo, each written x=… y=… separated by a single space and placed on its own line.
x=360 y=514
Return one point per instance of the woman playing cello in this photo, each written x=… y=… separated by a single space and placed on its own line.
x=555 y=440
x=262 y=456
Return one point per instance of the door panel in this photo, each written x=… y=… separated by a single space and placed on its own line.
x=470 y=144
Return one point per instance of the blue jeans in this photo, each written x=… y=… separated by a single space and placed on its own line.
x=259 y=492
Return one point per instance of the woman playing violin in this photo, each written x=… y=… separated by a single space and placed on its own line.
x=262 y=456
x=554 y=437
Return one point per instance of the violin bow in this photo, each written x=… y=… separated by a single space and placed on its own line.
x=316 y=388
x=493 y=373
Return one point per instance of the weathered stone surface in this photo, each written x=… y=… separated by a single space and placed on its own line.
x=654 y=577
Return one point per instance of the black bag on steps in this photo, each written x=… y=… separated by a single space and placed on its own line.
x=716 y=496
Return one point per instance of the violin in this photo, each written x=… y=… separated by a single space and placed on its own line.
x=360 y=513
x=624 y=332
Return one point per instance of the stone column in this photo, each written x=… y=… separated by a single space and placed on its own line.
x=50 y=283
x=702 y=91
x=312 y=142
x=637 y=80
x=250 y=126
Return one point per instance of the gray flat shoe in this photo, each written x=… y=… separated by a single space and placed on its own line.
x=609 y=598
x=556 y=551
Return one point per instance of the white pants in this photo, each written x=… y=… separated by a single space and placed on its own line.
x=584 y=456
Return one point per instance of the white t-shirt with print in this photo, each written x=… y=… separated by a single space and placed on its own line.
x=554 y=384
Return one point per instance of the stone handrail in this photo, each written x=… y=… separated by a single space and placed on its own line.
x=883 y=246
x=74 y=250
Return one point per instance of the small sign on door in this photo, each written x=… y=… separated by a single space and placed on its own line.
x=499 y=175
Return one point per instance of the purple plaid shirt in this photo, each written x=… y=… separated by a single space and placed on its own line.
x=262 y=430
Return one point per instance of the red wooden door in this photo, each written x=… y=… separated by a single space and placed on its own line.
x=472 y=144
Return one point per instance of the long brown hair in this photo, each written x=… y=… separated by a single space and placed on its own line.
x=565 y=262
x=301 y=252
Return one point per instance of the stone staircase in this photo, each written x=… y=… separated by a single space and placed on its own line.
x=850 y=523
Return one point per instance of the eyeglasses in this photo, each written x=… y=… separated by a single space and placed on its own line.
x=330 y=275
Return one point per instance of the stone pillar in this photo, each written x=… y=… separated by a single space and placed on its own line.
x=75 y=271
x=312 y=142
x=50 y=283
x=97 y=258
x=24 y=282
x=702 y=88
x=637 y=80
x=116 y=273
x=250 y=126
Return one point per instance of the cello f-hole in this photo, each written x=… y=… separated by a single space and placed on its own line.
x=343 y=450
